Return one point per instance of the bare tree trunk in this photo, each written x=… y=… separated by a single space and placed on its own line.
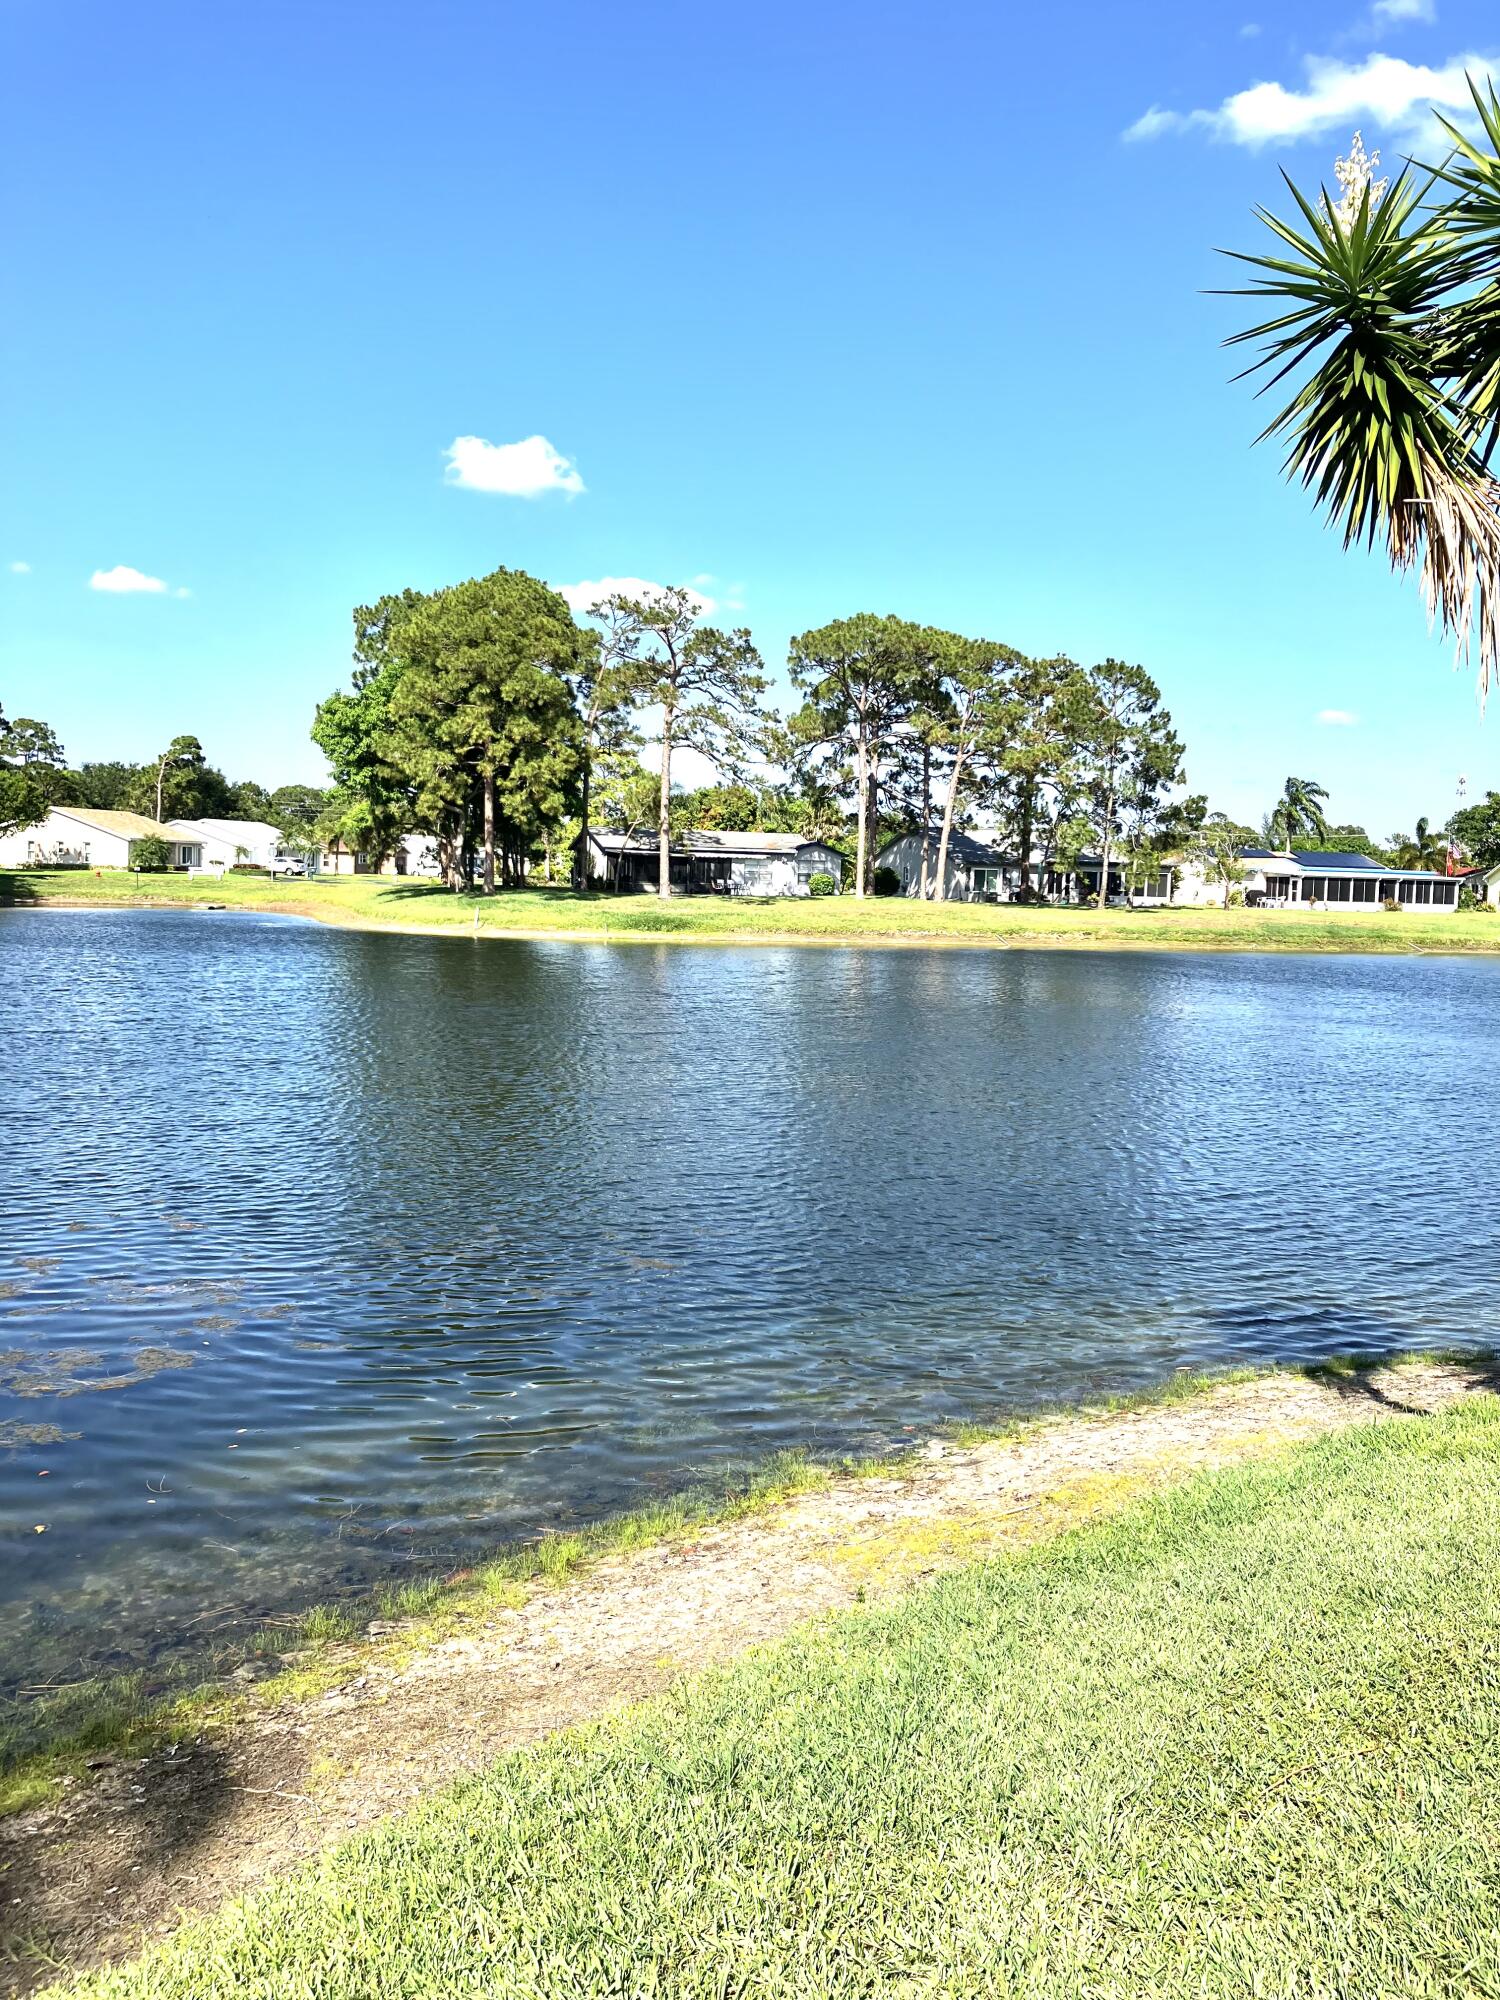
x=872 y=811
x=664 y=811
x=940 y=887
x=1028 y=812
x=923 y=885
x=161 y=778
x=1104 y=855
x=860 y=765
x=489 y=832
x=583 y=866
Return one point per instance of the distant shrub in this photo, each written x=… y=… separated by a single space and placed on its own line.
x=821 y=885
x=1470 y=899
x=1236 y=899
x=150 y=854
x=1391 y=904
x=247 y=868
x=887 y=882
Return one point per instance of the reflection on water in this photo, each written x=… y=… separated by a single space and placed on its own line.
x=342 y=1257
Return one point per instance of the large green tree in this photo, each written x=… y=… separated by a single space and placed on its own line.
x=33 y=777
x=1385 y=314
x=371 y=803
x=1036 y=767
x=1426 y=847
x=1128 y=753
x=975 y=704
x=483 y=708
x=1298 y=814
x=704 y=685
x=1476 y=828
x=862 y=678
x=601 y=688
x=171 y=783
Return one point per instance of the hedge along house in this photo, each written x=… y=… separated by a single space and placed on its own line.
x=1336 y=882
x=81 y=837
x=979 y=873
x=715 y=864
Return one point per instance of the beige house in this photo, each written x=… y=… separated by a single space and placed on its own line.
x=83 y=837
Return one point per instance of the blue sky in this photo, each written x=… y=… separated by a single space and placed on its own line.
x=880 y=307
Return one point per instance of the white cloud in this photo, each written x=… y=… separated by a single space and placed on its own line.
x=523 y=470
x=1382 y=91
x=1337 y=718
x=20 y=569
x=123 y=578
x=1250 y=30
x=182 y=591
x=580 y=596
x=1385 y=11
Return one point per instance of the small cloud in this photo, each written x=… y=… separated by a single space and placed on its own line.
x=580 y=597
x=182 y=591
x=1249 y=31
x=123 y=578
x=1337 y=718
x=1382 y=91
x=1384 y=12
x=522 y=470
x=20 y=569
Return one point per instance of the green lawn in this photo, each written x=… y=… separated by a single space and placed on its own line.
x=386 y=900
x=1243 y=1739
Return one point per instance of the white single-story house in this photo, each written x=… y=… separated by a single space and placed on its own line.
x=415 y=854
x=714 y=863
x=1302 y=877
x=226 y=841
x=86 y=837
x=978 y=872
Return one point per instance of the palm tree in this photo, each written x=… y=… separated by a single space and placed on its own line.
x=1393 y=293
x=1297 y=814
x=1427 y=849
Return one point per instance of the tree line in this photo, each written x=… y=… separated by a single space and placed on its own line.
x=489 y=718
x=179 y=783
x=486 y=716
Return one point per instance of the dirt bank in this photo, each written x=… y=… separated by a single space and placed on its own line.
x=123 y=1857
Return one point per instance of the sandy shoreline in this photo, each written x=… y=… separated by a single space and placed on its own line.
x=122 y=1857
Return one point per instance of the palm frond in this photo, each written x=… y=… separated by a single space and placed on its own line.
x=1383 y=431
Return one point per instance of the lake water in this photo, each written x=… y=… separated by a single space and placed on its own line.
x=332 y=1259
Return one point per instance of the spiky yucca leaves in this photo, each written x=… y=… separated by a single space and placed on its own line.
x=1467 y=340
x=1382 y=430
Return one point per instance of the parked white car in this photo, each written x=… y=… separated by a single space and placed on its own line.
x=288 y=864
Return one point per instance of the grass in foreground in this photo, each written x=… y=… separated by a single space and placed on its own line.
x=1244 y=1738
x=402 y=903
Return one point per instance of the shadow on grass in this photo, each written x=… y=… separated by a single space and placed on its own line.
x=1354 y=1376
x=16 y=891
x=67 y=1890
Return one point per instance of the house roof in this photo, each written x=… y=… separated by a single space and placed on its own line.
x=227 y=829
x=708 y=841
x=132 y=826
x=1313 y=862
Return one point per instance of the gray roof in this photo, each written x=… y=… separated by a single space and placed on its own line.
x=709 y=842
x=1313 y=862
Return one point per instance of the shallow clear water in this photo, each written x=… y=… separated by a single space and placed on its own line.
x=334 y=1258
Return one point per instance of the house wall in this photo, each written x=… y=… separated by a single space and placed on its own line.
x=905 y=856
x=60 y=841
x=260 y=843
